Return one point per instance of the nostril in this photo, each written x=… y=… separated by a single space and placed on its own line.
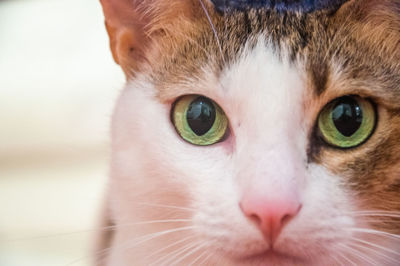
x=251 y=216
x=287 y=217
x=270 y=216
x=255 y=218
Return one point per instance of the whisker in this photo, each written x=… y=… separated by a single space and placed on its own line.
x=172 y=255
x=166 y=206
x=376 y=211
x=100 y=229
x=346 y=258
x=358 y=254
x=379 y=214
x=375 y=232
x=198 y=257
x=190 y=253
x=168 y=246
x=375 y=245
x=213 y=28
x=374 y=251
x=136 y=241
x=205 y=260
x=154 y=222
x=337 y=260
x=151 y=236
x=376 y=219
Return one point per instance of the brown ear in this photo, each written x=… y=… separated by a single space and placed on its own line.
x=133 y=26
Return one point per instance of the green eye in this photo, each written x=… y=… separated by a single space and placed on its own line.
x=199 y=120
x=347 y=121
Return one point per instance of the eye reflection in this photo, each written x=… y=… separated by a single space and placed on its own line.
x=347 y=116
x=201 y=115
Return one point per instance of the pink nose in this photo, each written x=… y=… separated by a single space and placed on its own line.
x=270 y=214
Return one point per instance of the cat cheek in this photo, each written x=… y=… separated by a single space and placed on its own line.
x=228 y=143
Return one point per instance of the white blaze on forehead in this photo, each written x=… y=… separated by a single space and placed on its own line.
x=265 y=96
x=266 y=90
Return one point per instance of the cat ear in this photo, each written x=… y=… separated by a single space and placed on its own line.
x=134 y=25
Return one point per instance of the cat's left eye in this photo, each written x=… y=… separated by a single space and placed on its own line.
x=347 y=121
x=199 y=120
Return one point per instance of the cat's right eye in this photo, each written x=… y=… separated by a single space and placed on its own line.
x=199 y=120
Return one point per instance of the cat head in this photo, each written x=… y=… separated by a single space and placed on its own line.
x=295 y=157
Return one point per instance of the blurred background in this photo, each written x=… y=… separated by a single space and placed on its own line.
x=58 y=84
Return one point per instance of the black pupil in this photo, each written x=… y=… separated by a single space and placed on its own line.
x=201 y=115
x=347 y=116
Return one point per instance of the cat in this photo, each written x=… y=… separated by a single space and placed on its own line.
x=254 y=133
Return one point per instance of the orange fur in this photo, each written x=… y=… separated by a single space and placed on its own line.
x=138 y=29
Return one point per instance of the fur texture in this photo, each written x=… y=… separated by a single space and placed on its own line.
x=279 y=5
x=172 y=203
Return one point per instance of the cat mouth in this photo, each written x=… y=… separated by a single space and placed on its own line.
x=273 y=256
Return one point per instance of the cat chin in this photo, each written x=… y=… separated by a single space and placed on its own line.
x=268 y=259
x=275 y=257
x=271 y=258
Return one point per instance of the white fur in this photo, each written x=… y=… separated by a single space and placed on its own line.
x=264 y=99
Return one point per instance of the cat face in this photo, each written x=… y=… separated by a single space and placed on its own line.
x=276 y=184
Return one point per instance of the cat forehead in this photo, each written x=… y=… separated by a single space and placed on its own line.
x=329 y=45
